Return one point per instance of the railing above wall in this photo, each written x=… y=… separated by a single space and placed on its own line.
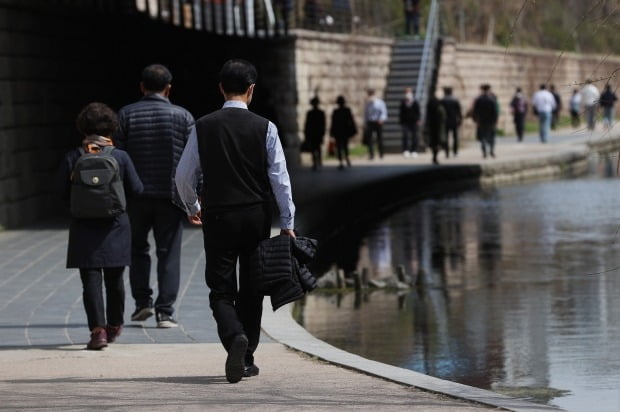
x=267 y=18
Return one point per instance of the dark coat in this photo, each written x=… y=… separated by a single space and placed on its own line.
x=485 y=111
x=280 y=268
x=154 y=133
x=314 y=128
x=343 y=126
x=409 y=115
x=99 y=243
x=454 y=115
x=435 y=123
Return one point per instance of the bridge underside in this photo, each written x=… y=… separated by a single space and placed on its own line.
x=54 y=60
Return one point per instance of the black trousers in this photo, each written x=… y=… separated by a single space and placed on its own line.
x=371 y=129
x=454 y=131
x=166 y=221
x=92 y=295
x=231 y=236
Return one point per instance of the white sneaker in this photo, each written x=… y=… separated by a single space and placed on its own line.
x=406 y=153
x=414 y=154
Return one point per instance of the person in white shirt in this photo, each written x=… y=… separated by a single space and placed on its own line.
x=374 y=115
x=543 y=103
x=589 y=98
x=241 y=160
x=575 y=108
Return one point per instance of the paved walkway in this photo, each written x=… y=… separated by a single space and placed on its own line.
x=43 y=364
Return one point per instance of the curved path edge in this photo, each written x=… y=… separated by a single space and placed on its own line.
x=281 y=327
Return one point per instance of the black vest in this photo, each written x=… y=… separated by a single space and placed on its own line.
x=233 y=156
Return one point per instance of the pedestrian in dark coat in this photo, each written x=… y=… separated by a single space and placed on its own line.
x=555 y=114
x=409 y=119
x=342 y=129
x=518 y=106
x=435 y=126
x=485 y=114
x=454 y=118
x=102 y=245
x=314 y=131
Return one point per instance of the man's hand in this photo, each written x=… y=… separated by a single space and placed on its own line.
x=195 y=219
x=288 y=232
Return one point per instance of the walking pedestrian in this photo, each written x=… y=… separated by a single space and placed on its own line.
x=409 y=119
x=375 y=114
x=589 y=99
x=412 y=17
x=342 y=129
x=454 y=118
x=519 y=106
x=607 y=102
x=555 y=114
x=435 y=126
x=314 y=131
x=154 y=132
x=485 y=114
x=242 y=163
x=543 y=103
x=100 y=247
x=575 y=108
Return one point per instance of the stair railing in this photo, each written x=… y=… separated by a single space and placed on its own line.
x=427 y=61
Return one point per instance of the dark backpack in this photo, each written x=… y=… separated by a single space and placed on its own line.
x=96 y=186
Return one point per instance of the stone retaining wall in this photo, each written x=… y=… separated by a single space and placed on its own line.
x=329 y=65
x=466 y=66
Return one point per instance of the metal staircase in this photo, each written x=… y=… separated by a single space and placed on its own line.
x=404 y=72
x=414 y=64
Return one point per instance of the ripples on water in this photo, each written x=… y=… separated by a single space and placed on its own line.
x=515 y=301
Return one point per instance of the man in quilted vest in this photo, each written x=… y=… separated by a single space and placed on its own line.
x=154 y=132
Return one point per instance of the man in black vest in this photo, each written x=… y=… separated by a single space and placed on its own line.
x=154 y=132
x=242 y=164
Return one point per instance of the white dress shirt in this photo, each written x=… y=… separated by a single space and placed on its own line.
x=189 y=170
x=543 y=101
x=376 y=111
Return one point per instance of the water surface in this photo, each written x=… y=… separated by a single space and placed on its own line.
x=521 y=292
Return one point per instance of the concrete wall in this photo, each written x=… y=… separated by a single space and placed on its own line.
x=329 y=65
x=465 y=67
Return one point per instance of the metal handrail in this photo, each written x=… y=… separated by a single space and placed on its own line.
x=426 y=67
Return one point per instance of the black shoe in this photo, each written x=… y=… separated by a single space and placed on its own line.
x=235 y=364
x=249 y=371
x=165 y=321
x=142 y=313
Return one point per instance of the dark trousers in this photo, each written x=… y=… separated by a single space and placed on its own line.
x=409 y=129
x=486 y=135
x=92 y=295
x=342 y=149
x=166 y=220
x=231 y=236
x=373 y=128
x=454 y=132
x=519 y=119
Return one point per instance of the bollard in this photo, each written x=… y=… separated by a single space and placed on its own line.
x=364 y=277
x=419 y=282
x=340 y=283
x=357 y=281
x=400 y=274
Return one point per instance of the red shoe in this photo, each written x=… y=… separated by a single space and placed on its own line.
x=113 y=332
x=98 y=339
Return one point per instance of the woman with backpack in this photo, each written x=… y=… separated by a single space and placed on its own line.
x=93 y=179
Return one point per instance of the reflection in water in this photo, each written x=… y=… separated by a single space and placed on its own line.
x=510 y=300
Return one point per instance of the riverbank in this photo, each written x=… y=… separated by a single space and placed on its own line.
x=43 y=364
